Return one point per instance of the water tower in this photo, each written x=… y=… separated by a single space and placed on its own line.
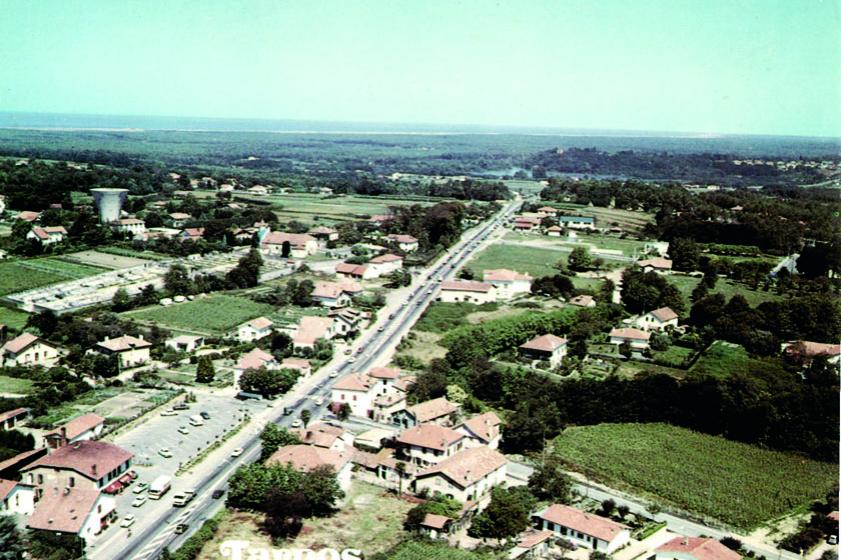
x=109 y=202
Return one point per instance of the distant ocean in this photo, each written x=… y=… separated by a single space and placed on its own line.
x=605 y=139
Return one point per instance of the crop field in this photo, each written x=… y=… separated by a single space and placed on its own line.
x=629 y=247
x=712 y=477
x=441 y=317
x=216 y=314
x=722 y=359
x=632 y=222
x=290 y=315
x=417 y=550
x=26 y=274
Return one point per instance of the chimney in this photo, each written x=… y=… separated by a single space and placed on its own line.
x=63 y=432
x=93 y=469
x=685 y=541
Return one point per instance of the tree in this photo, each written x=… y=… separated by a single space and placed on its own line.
x=660 y=341
x=580 y=259
x=321 y=490
x=266 y=382
x=400 y=467
x=285 y=249
x=548 y=481
x=11 y=540
x=607 y=508
x=50 y=545
x=306 y=415
x=45 y=322
x=205 y=372
x=177 y=280
x=302 y=294
x=625 y=349
x=506 y=516
x=121 y=300
x=685 y=254
x=343 y=412
x=273 y=437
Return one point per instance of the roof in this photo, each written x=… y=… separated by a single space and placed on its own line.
x=532 y=538
x=295 y=363
x=254 y=359
x=322 y=230
x=387 y=258
x=185 y=338
x=583 y=219
x=467 y=467
x=700 y=548
x=544 y=343
x=6 y=487
x=296 y=240
x=431 y=436
x=312 y=328
x=656 y=262
x=554 y=228
x=466 y=286
x=582 y=301
x=260 y=323
x=130 y=221
x=194 y=232
x=352 y=269
x=319 y=435
x=124 y=343
x=384 y=373
x=664 y=314
x=21 y=343
x=180 y=216
x=813 y=349
x=581 y=521
x=78 y=426
x=63 y=512
x=632 y=334
x=353 y=382
x=504 y=275
x=430 y=410
x=402 y=238
x=307 y=457
x=483 y=425
x=12 y=413
x=14 y=463
x=404 y=383
x=28 y=215
x=85 y=457
x=435 y=521
x=329 y=290
x=547 y=209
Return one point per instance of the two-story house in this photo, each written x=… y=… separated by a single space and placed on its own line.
x=255 y=329
x=547 y=347
x=29 y=350
x=466 y=476
x=508 y=283
x=584 y=529
x=429 y=444
x=84 y=427
x=86 y=464
x=130 y=351
x=483 y=429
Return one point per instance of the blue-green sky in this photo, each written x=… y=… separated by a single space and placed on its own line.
x=730 y=66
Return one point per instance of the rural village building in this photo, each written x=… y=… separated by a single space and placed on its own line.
x=547 y=347
x=29 y=350
x=454 y=291
x=466 y=476
x=130 y=351
x=636 y=338
x=85 y=427
x=584 y=529
x=508 y=283
x=658 y=319
x=255 y=329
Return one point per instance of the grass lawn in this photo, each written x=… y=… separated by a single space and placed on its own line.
x=422 y=345
x=215 y=314
x=26 y=274
x=13 y=318
x=738 y=484
x=537 y=262
x=15 y=385
x=727 y=287
x=369 y=519
x=310 y=208
x=441 y=317
x=421 y=550
x=724 y=358
x=674 y=356
x=628 y=246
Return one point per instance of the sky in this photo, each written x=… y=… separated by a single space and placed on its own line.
x=708 y=66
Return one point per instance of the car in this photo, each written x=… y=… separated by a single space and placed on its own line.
x=348 y=351
x=359 y=350
x=218 y=493
x=181 y=406
x=381 y=329
x=138 y=501
x=204 y=414
x=181 y=528
x=402 y=304
x=333 y=374
x=287 y=411
x=319 y=401
x=296 y=423
x=127 y=521
x=428 y=292
x=169 y=412
x=165 y=452
x=183 y=430
x=237 y=452
x=391 y=316
x=140 y=488
x=351 y=359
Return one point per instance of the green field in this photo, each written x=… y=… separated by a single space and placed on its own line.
x=442 y=317
x=537 y=262
x=712 y=477
x=629 y=221
x=726 y=287
x=722 y=359
x=26 y=274
x=15 y=385
x=673 y=356
x=419 y=550
x=13 y=318
x=216 y=314
x=629 y=247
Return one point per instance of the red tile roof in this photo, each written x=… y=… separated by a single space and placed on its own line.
x=664 y=314
x=353 y=382
x=466 y=286
x=631 y=334
x=467 y=467
x=312 y=328
x=433 y=409
x=431 y=436
x=504 y=275
x=85 y=457
x=384 y=373
x=434 y=521
x=6 y=486
x=813 y=349
x=544 y=343
x=307 y=457
x=254 y=359
x=532 y=538
x=20 y=343
x=260 y=323
x=485 y=426
x=402 y=238
x=699 y=548
x=587 y=523
x=386 y=259
x=12 y=414
x=296 y=240
x=28 y=216
x=352 y=269
x=124 y=343
x=78 y=426
x=656 y=262
x=63 y=512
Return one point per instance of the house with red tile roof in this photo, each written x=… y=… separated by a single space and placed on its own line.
x=384 y=265
x=323 y=233
x=16 y=497
x=333 y=294
x=325 y=436
x=636 y=338
x=178 y=219
x=87 y=464
x=73 y=511
x=469 y=291
x=438 y=411
x=429 y=444
x=806 y=351
x=508 y=283
x=29 y=350
x=131 y=351
x=300 y=245
x=656 y=264
x=28 y=215
x=305 y=458
x=466 y=476
x=583 y=301
x=11 y=418
x=532 y=544
x=47 y=235
x=354 y=271
x=554 y=231
x=135 y=226
x=695 y=548
x=584 y=529
x=547 y=347
x=547 y=211
x=436 y=526
x=484 y=429
x=191 y=234
x=253 y=359
x=525 y=223
x=310 y=330
x=300 y=364
x=255 y=329
x=354 y=389
x=657 y=320
x=405 y=243
x=84 y=427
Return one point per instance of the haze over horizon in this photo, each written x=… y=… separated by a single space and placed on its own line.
x=716 y=67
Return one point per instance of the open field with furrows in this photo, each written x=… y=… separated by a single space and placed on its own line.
x=309 y=208
x=215 y=314
x=629 y=247
x=629 y=221
x=711 y=477
x=369 y=520
x=26 y=274
x=726 y=287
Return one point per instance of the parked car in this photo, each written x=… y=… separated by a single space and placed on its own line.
x=181 y=406
x=296 y=423
x=319 y=401
x=334 y=374
x=181 y=528
x=237 y=452
x=183 y=430
x=140 y=488
x=127 y=521
x=165 y=452
x=205 y=415
x=169 y=412
x=138 y=501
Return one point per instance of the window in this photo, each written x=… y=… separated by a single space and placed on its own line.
x=40 y=479
x=72 y=481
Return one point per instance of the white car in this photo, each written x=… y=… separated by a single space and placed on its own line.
x=333 y=374
x=183 y=430
x=296 y=423
x=127 y=521
x=140 y=488
x=319 y=401
x=138 y=501
x=165 y=453
x=169 y=412
x=237 y=452
x=351 y=359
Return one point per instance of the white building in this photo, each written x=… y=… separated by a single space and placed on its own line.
x=657 y=320
x=636 y=338
x=405 y=243
x=577 y=222
x=29 y=350
x=131 y=351
x=16 y=497
x=255 y=329
x=453 y=291
x=466 y=476
x=82 y=428
x=385 y=264
x=73 y=511
x=483 y=429
x=547 y=347
x=657 y=264
x=47 y=235
x=300 y=245
x=429 y=444
x=185 y=343
x=508 y=283
x=584 y=529
x=354 y=389
x=134 y=226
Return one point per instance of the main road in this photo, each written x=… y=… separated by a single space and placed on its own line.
x=151 y=536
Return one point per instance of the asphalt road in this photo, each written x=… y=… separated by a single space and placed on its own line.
x=147 y=541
